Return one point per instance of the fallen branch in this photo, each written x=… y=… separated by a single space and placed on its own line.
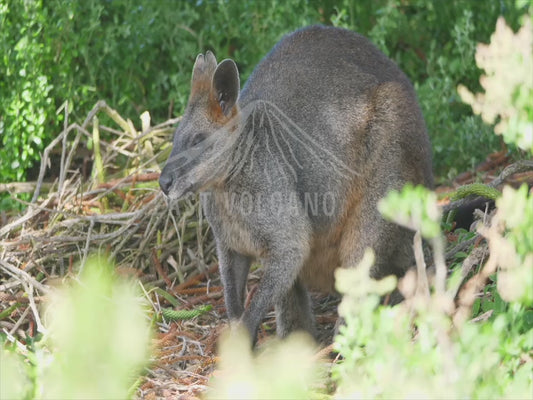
x=23 y=187
x=23 y=275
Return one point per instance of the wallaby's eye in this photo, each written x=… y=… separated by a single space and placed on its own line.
x=198 y=138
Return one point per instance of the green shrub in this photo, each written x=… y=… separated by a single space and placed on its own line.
x=138 y=55
x=282 y=370
x=508 y=83
x=25 y=88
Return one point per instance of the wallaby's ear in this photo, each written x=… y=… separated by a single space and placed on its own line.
x=204 y=66
x=226 y=85
x=202 y=73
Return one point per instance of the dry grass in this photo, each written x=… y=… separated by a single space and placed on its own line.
x=115 y=209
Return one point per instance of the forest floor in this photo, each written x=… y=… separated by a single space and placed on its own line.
x=186 y=354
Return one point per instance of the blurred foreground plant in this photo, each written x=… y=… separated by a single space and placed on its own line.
x=508 y=83
x=282 y=370
x=417 y=349
x=95 y=346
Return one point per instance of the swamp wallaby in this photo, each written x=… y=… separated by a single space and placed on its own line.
x=291 y=168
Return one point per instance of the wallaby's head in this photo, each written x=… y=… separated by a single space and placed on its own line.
x=204 y=132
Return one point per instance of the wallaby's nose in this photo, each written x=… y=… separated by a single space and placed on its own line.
x=165 y=181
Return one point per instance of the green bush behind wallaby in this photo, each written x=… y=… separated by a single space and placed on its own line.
x=137 y=55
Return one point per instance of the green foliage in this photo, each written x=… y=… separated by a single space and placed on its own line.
x=15 y=383
x=95 y=347
x=513 y=250
x=25 y=88
x=516 y=208
x=490 y=301
x=138 y=55
x=99 y=332
x=479 y=360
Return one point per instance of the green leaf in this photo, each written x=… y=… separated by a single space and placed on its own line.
x=528 y=320
x=476 y=307
x=167 y=296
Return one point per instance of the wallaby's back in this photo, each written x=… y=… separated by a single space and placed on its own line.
x=323 y=61
x=333 y=83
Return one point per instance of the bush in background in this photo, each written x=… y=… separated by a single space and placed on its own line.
x=138 y=55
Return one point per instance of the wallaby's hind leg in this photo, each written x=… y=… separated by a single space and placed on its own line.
x=391 y=244
x=396 y=141
x=293 y=311
x=234 y=269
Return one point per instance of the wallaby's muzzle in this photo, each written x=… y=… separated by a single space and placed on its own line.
x=174 y=188
x=176 y=180
x=165 y=182
x=174 y=185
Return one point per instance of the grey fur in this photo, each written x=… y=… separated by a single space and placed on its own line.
x=290 y=171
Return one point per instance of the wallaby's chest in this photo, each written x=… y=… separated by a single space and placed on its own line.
x=231 y=217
